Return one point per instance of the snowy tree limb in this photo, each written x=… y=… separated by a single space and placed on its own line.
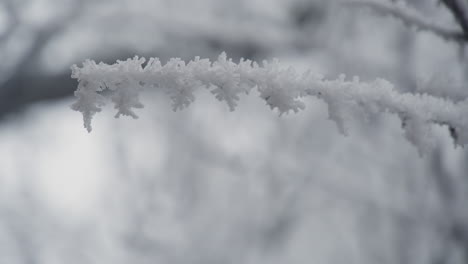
x=412 y=18
x=282 y=89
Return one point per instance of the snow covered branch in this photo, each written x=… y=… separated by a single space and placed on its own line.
x=281 y=89
x=411 y=18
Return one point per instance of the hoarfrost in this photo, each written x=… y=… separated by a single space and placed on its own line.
x=281 y=88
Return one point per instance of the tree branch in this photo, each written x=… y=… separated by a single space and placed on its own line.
x=459 y=9
x=280 y=88
x=412 y=18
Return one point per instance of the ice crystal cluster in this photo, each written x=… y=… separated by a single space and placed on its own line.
x=281 y=88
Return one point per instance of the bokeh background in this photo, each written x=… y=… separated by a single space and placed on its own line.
x=206 y=185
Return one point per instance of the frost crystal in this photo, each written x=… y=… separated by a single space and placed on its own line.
x=282 y=89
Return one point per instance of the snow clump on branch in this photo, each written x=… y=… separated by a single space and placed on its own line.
x=281 y=89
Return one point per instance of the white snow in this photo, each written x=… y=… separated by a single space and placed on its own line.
x=281 y=88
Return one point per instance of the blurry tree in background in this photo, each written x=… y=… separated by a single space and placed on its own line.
x=209 y=186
